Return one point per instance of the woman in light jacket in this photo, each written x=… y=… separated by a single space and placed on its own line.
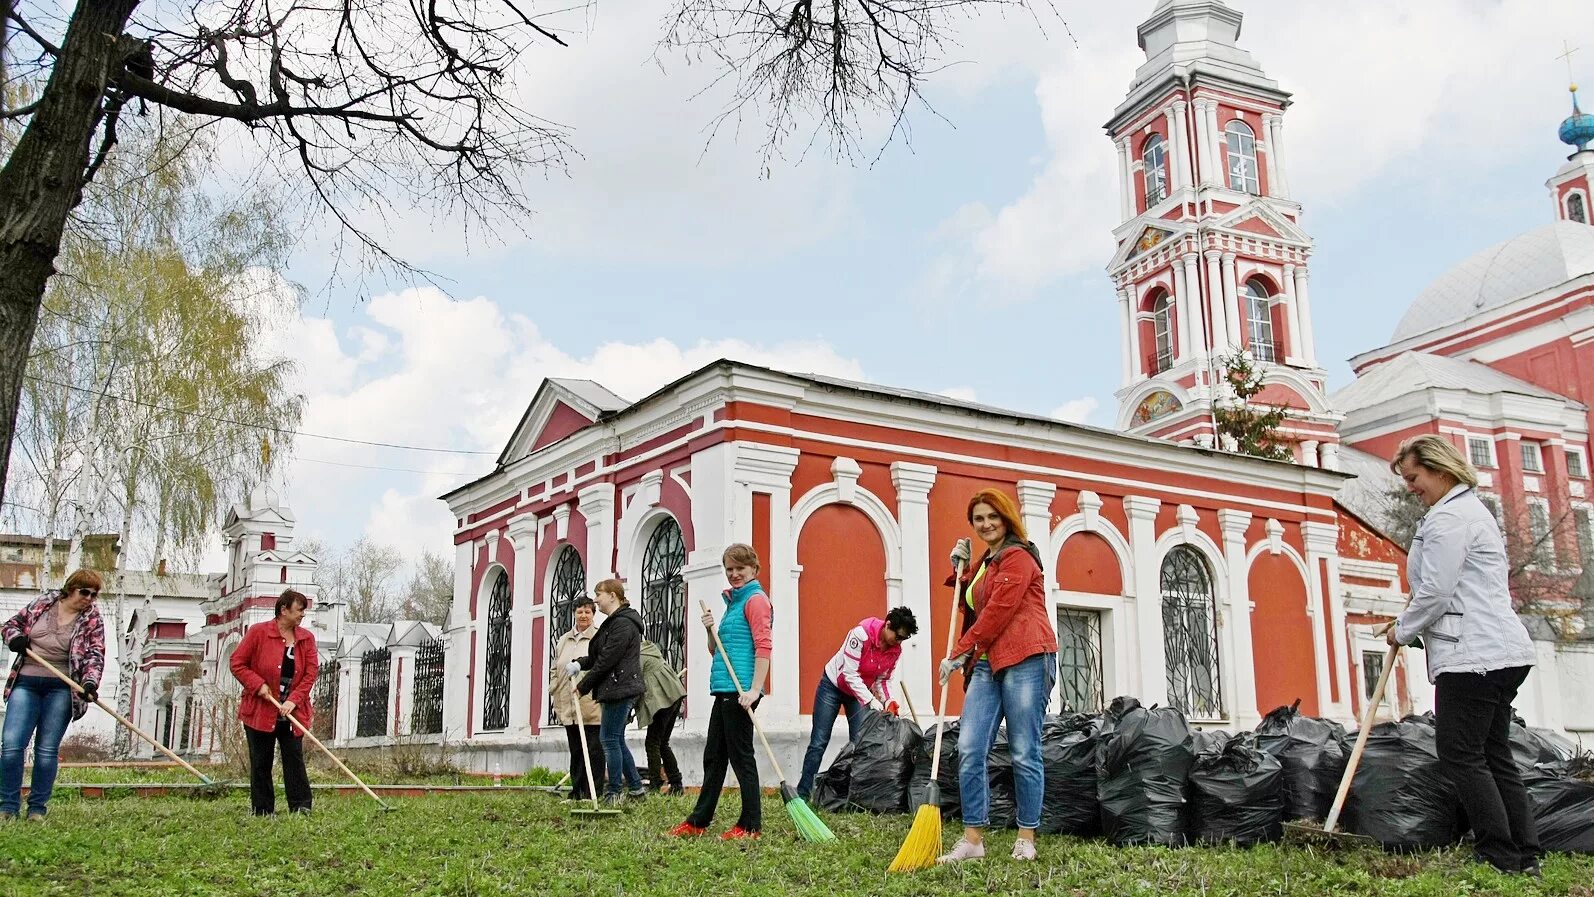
x=573 y=645
x=1479 y=652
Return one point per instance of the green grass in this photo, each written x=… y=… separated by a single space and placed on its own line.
x=320 y=771
x=526 y=843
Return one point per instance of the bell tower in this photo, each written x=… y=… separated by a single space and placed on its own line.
x=1211 y=257
x=1570 y=187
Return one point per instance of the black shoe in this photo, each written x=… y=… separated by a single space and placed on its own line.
x=1531 y=869
x=1507 y=870
x=614 y=801
x=637 y=794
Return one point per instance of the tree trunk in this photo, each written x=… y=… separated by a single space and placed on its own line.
x=42 y=182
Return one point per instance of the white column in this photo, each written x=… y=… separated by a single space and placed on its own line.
x=596 y=503
x=1182 y=302
x=1309 y=452
x=712 y=526
x=1322 y=541
x=1240 y=669
x=1220 y=322
x=916 y=668
x=1303 y=300
x=349 y=697
x=1035 y=510
x=1181 y=139
x=1215 y=136
x=1126 y=190
x=1316 y=606
x=524 y=662
x=1292 y=314
x=456 y=647
x=1269 y=124
x=1192 y=284
x=1129 y=176
x=1151 y=673
x=1136 y=372
x=1126 y=317
x=401 y=686
x=1231 y=303
x=1275 y=145
x=1202 y=108
x=1176 y=150
x=480 y=626
x=767 y=470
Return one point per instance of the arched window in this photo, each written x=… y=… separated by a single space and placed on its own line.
x=495 y=696
x=1162 y=334
x=664 y=591
x=569 y=583
x=1190 y=634
x=1154 y=158
x=1575 y=209
x=1259 y=321
x=1241 y=144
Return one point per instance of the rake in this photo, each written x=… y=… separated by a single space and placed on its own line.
x=317 y=742
x=586 y=758
x=809 y=825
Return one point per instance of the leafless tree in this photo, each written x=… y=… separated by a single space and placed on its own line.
x=430 y=592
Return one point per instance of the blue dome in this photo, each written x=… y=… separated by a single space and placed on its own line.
x=1578 y=128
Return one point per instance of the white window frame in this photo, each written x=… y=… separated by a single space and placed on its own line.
x=1488 y=446
x=1239 y=146
x=1582 y=462
x=1537 y=456
x=1542 y=557
x=1154 y=168
x=1566 y=206
x=1162 y=332
x=1259 y=321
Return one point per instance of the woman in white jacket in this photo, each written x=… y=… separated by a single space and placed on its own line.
x=1479 y=652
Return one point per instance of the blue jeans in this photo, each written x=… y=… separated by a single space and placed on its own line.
x=616 y=754
x=41 y=705
x=828 y=701
x=1019 y=695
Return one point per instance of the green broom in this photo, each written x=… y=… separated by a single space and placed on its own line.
x=919 y=850
x=809 y=825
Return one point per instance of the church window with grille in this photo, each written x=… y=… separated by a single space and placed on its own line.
x=495 y=696
x=1079 y=668
x=1240 y=142
x=1259 y=321
x=1190 y=634
x=1576 y=209
x=664 y=591
x=1162 y=334
x=1480 y=451
x=569 y=583
x=1154 y=159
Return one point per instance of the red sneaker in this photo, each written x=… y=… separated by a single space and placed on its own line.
x=737 y=833
x=687 y=830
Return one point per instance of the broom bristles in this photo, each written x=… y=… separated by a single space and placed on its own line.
x=923 y=841
x=809 y=825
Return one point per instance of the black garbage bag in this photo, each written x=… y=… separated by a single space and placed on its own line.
x=1532 y=746
x=946 y=777
x=832 y=785
x=999 y=773
x=1237 y=794
x=882 y=763
x=1068 y=749
x=1399 y=796
x=1563 y=805
x=1142 y=767
x=1313 y=752
x=1209 y=741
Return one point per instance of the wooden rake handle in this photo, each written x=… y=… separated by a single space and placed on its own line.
x=1361 y=740
x=726 y=659
x=303 y=730
x=951 y=637
x=117 y=716
x=586 y=752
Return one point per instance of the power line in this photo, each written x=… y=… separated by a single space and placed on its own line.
x=253 y=426
x=445 y=473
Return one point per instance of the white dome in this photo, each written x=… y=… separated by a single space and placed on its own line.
x=1521 y=266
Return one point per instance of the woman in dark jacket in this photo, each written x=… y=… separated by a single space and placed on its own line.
x=614 y=679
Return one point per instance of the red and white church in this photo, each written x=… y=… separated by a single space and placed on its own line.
x=1177 y=571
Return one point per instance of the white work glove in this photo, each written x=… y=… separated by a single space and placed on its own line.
x=876 y=706
x=573 y=669
x=952 y=665
x=961 y=552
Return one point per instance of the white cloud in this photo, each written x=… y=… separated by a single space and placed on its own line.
x=1076 y=411
x=424 y=369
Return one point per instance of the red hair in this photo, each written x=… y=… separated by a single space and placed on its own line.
x=1005 y=508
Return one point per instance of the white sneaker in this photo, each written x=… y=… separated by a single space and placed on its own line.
x=1023 y=849
x=963 y=850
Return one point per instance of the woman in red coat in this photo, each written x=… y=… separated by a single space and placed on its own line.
x=277 y=658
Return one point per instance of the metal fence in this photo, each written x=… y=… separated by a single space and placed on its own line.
x=373 y=693
x=324 y=699
x=426 y=701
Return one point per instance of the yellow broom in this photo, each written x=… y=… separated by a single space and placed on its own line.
x=924 y=839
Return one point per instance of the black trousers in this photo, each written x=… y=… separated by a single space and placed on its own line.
x=729 y=743
x=661 y=760
x=1473 y=715
x=262 y=747
x=579 y=788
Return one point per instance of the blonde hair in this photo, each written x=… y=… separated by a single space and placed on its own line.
x=614 y=587
x=1438 y=454
x=741 y=554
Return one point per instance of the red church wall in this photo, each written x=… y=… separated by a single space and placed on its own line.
x=843 y=581
x=561 y=423
x=1088 y=564
x=1553 y=366
x=575 y=537
x=1279 y=394
x=1280 y=631
x=1384 y=444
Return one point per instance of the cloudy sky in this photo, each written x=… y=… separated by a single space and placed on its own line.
x=1421 y=132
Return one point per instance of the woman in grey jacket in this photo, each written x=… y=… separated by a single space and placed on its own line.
x=1479 y=652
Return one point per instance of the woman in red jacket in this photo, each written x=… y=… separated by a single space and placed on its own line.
x=1008 y=653
x=277 y=658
